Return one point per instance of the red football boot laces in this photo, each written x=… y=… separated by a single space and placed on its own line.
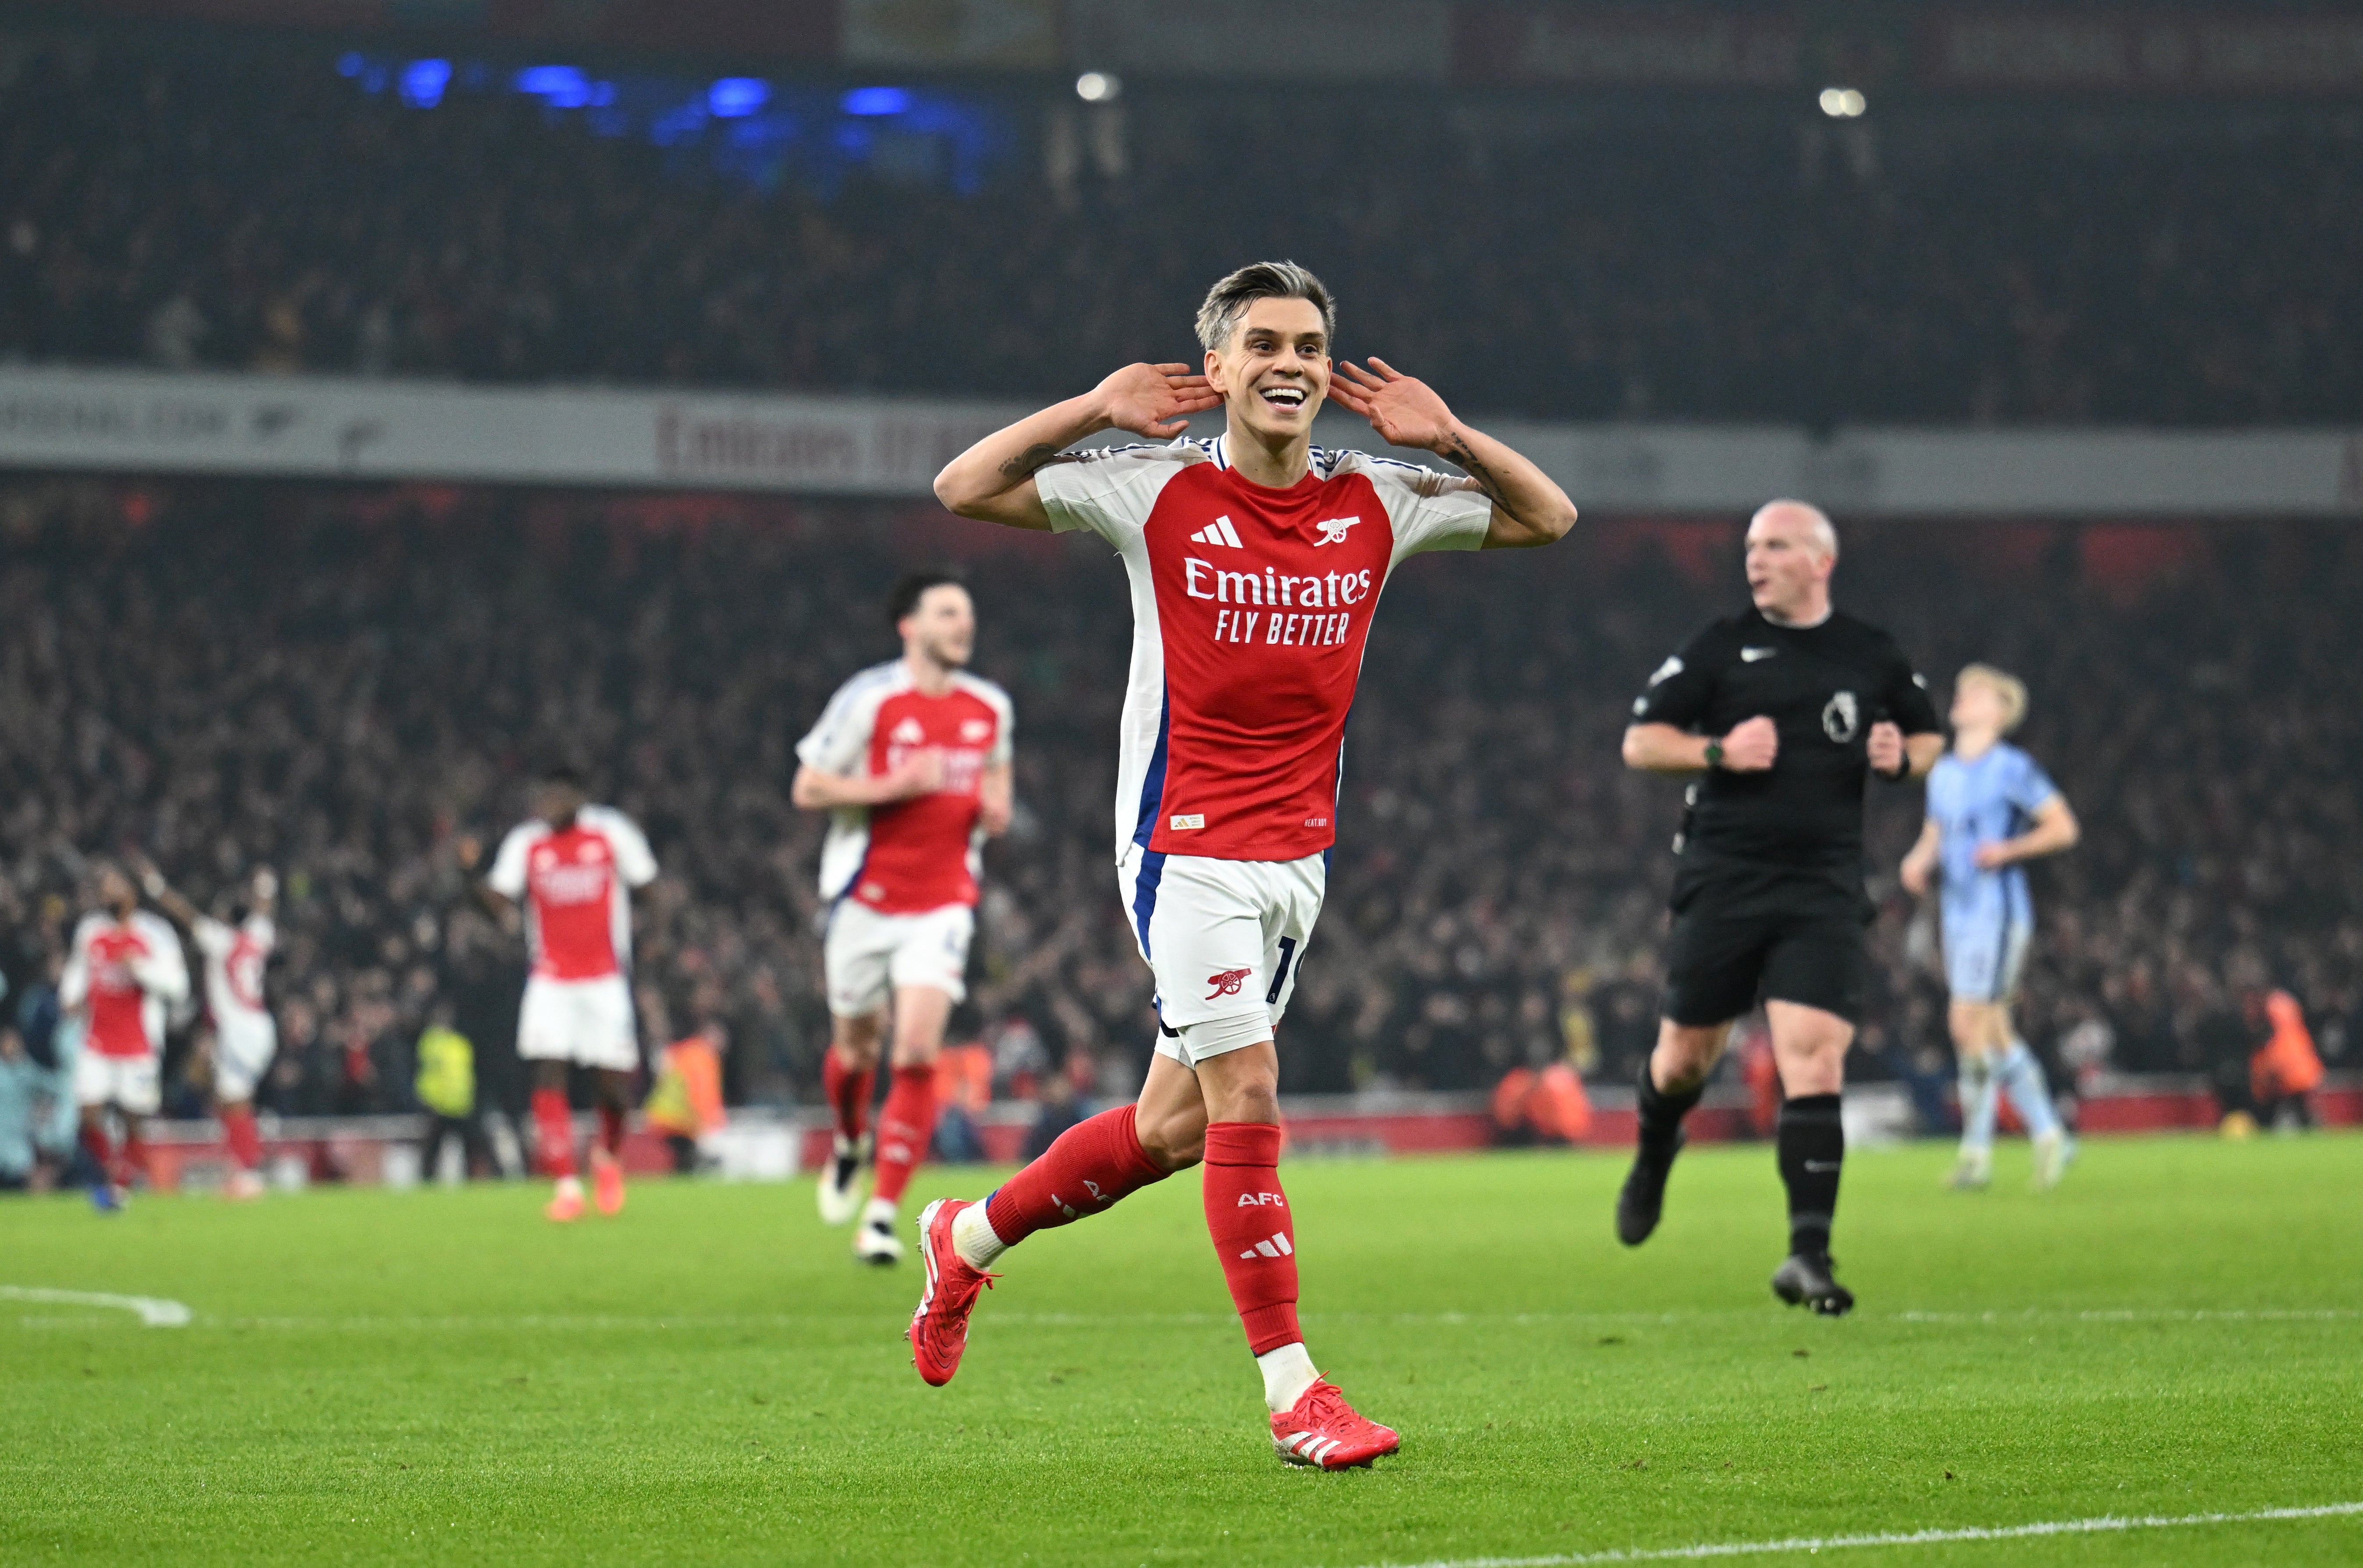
x=1321 y=1428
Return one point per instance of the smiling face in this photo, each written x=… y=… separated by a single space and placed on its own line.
x=1274 y=371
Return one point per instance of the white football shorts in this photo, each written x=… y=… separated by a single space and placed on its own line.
x=1985 y=956
x=587 y=1023
x=242 y=1052
x=1225 y=939
x=131 y=1083
x=868 y=956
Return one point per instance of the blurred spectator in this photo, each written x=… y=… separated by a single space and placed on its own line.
x=684 y=1105
x=446 y=1087
x=342 y=680
x=963 y=1089
x=1545 y=1106
x=2285 y=1071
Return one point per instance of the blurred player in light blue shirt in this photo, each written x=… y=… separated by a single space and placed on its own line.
x=1991 y=810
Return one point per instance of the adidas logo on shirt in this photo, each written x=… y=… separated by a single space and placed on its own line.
x=1275 y=1247
x=1218 y=532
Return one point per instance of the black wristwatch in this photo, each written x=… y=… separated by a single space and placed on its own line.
x=1714 y=754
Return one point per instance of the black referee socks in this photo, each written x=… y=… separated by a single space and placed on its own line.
x=1661 y=1112
x=1812 y=1150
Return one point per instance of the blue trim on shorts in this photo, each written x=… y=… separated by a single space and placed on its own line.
x=1144 y=892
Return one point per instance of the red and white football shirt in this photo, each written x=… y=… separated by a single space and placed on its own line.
x=234 y=957
x=924 y=853
x=575 y=885
x=126 y=972
x=1250 y=607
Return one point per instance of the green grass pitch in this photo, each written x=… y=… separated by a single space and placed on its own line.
x=443 y=1376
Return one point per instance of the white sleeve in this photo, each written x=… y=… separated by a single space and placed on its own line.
x=163 y=972
x=634 y=860
x=73 y=981
x=840 y=741
x=507 y=874
x=1109 y=490
x=1429 y=510
x=1005 y=742
x=213 y=938
x=265 y=931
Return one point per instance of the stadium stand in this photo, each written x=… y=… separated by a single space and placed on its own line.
x=346 y=679
x=238 y=201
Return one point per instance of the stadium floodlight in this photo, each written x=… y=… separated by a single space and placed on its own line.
x=422 y=81
x=1097 y=87
x=1843 y=102
x=875 y=101
x=734 y=98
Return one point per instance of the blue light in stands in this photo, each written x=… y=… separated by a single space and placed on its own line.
x=560 y=86
x=733 y=96
x=875 y=101
x=350 y=64
x=422 y=81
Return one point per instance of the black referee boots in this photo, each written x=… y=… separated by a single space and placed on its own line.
x=1644 y=1195
x=1805 y=1280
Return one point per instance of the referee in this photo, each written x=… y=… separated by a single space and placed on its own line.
x=1785 y=708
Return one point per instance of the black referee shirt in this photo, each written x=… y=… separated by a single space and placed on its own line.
x=1823 y=686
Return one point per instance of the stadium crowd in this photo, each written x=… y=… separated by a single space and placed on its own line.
x=347 y=683
x=248 y=207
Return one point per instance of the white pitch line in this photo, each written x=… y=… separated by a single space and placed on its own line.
x=154 y=1311
x=2106 y=1523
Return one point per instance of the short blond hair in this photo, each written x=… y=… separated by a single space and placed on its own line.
x=2002 y=684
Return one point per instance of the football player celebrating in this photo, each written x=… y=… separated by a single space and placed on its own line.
x=912 y=760
x=125 y=969
x=245 y=1036
x=1255 y=559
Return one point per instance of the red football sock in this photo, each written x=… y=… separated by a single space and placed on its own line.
x=904 y=1127
x=553 y=1123
x=611 y=1129
x=245 y=1141
x=102 y=1150
x=1094 y=1163
x=1248 y=1216
x=848 y=1091
x=135 y=1154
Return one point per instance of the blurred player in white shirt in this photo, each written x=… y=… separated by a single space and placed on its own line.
x=912 y=759
x=245 y=1036
x=123 y=971
x=573 y=870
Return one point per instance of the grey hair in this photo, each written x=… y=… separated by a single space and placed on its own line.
x=1263 y=281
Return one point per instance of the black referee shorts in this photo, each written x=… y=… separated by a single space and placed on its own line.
x=1721 y=960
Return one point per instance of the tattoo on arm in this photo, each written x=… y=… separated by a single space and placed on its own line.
x=1457 y=450
x=1032 y=460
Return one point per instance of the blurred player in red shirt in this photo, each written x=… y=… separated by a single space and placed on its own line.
x=912 y=759
x=1255 y=560
x=573 y=869
x=245 y=1036
x=123 y=971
